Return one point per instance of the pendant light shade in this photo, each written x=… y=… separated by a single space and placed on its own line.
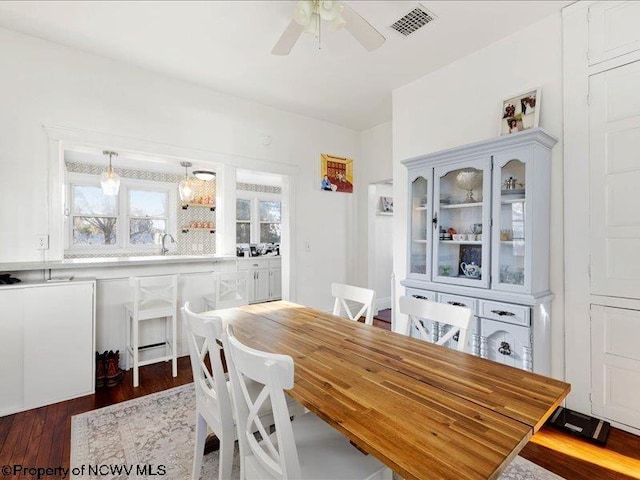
x=186 y=187
x=110 y=180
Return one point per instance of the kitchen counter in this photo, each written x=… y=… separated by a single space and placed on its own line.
x=112 y=262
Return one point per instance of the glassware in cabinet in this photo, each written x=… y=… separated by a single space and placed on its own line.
x=419 y=228
x=512 y=217
x=461 y=215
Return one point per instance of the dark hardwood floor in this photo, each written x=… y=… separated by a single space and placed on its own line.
x=42 y=437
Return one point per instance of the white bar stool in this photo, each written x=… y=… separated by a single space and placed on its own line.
x=153 y=297
x=231 y=290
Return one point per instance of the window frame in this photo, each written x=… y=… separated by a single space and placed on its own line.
x=122 y=245
x=255 y=198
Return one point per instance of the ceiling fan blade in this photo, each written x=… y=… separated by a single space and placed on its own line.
x=362 y=31
x=288 y=39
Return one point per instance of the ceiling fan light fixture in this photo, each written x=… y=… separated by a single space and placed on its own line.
x=308 y=13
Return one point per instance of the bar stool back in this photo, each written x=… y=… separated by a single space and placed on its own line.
x=153 y=297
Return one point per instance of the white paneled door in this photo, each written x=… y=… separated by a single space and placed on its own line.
x=616 y=364
x=614 y=167
x=615 y=182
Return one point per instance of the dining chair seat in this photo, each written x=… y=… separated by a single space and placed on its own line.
x=345 y=294
x=419 y=309
x=303 y=448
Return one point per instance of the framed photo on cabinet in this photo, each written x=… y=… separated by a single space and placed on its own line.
x=520 y=112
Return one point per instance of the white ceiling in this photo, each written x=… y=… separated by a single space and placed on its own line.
x=225 y=45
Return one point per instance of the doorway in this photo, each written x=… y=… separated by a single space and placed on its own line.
x=380 y=245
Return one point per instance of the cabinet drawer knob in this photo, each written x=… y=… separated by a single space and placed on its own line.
x=457 y=304
x=505 y=348
x=503 y=313
x=421 y=297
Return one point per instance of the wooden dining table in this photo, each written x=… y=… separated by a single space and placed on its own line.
x=426 y=411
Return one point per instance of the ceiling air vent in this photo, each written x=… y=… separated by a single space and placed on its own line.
x=412 y=21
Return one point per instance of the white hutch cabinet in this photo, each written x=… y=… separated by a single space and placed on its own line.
x=478 y=236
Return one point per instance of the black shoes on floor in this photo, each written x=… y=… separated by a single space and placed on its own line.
x=108 y=373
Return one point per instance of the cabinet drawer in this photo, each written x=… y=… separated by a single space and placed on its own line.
x=253 y=263
x=506 y=344
x=459 y=301
x=505 y=312
x=423 y=294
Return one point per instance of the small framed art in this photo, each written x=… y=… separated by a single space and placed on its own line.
x=520 y=112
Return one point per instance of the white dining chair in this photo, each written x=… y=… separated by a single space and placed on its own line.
x=303 y=448
x=418 y=309
x=348 y=293
x=153 y=297
x=231 y=289
x=203 y=334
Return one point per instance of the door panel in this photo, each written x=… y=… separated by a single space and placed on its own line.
x=613 y=30
x=615 y=369
x=615 y=178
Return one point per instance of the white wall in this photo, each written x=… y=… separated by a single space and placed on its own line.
x=375 y=166
x=461 y=103
x=45 y=83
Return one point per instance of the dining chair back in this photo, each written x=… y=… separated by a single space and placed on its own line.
x=418 y=309
x=153 y=297
x=324 y=452
x=349 y=293
x=213 y=404
x=231 y=289
x=203 y=334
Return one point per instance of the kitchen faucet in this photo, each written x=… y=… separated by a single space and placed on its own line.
x=164 y=250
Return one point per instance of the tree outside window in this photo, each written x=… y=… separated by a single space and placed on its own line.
x=270 y=217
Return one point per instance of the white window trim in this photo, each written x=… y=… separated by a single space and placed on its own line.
x=255 y=198
x=122 y=245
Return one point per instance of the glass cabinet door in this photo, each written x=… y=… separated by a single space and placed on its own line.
x=511 y=260
x=462 y=195
x=419 y=226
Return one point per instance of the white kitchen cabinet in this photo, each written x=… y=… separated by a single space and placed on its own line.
x=265 y=278
x=275 y=280
x=478 y=232
x=47 y=337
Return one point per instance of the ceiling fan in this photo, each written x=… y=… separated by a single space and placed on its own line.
x=308 y=16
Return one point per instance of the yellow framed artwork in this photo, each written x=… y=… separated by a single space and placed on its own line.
x=336 y=173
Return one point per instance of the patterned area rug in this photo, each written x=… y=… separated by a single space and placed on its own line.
x=153 y=437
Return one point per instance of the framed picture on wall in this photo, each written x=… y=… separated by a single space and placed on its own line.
x=520 y=112
x=386 y=204
x=336 y=174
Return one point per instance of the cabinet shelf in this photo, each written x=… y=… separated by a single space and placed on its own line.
x=462 y=242
x=187 y=229
x=185 y=206
x=460 y=205
x=417 y=240
x=509 y=201
x=421 y=208
x=519 y=241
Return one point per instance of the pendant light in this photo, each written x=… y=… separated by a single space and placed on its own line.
x=110 y=180
x=186 y=187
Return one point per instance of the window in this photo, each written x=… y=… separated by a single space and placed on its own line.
x=269 y=222
x=126 y=223
x=258 y=218
x=243 y=220
x=147 y=216
x=94 y=216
